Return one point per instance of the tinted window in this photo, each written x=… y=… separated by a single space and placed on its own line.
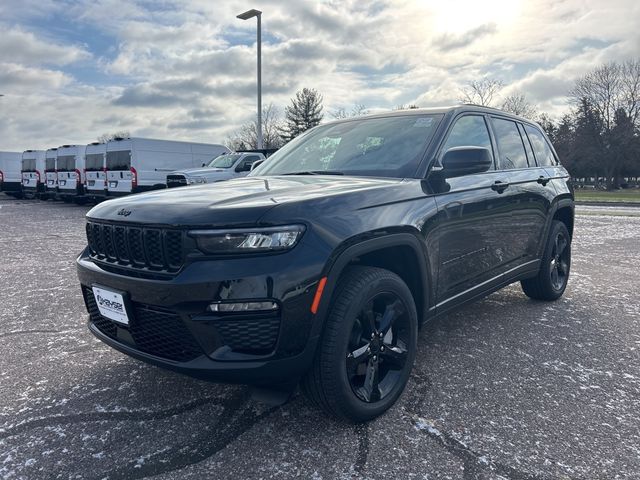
x=95 y=161
x=119 y=160
x=50 y=164
x=527 y=145
x=541 y=148
x=29 y=165
x=510 y=144
x=468 y=131
x=380 y=147
x=66 y=163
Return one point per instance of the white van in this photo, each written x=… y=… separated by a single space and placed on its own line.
x=95 y=176
x=70 y=166
x=140 y=164
x=32 y=171
x=10 y=173
x=50 y=174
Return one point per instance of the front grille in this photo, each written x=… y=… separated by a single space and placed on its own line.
x=255 y=336
x=176 y=181
x=153 y=249
x=156 y=332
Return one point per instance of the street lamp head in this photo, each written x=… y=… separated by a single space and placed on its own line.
x=249 y=14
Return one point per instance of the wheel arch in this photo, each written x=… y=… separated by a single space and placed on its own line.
x=402 y=253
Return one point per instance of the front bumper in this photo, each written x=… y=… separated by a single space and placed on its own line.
x=170 y=325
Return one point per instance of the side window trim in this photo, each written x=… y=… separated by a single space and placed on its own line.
x=441 y=152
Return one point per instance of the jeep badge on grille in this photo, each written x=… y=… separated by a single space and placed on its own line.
x=124 y=212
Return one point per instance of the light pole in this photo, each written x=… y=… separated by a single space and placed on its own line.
x=246 y=16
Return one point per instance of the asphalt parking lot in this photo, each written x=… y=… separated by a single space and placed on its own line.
x=507 y=388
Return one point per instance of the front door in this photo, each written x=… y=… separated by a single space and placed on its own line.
x=473 y=212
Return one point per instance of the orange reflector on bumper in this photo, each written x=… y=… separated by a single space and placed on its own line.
x=318 y=295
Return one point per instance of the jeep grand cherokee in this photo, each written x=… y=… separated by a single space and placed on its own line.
x=322 y=263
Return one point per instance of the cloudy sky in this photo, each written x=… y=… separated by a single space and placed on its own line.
x=71 y=70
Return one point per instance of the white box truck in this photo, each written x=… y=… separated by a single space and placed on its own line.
x=141 y=164
x=32 y=171
x=95 y=177
x=70 y=166
x=10 y=173
x=50 y=174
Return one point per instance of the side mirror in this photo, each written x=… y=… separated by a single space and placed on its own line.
x=204 y=164
x=459 y=161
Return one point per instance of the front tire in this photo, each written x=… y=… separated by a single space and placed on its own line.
x=551 y=281
x=368 y=346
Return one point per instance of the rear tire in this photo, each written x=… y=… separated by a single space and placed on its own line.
x=367 y=348
x=551 y=281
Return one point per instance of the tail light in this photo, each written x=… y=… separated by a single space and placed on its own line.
x=105 y=170
x=134 y=178
x=78 y=177
x=85 y=177
x=37 y=176
x=1 y=176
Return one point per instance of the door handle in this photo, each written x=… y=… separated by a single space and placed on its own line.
x=543 y=180
x=499 y=186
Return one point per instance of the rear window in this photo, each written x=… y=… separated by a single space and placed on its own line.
x=50 y=164
x=224 y=161
x=66 y=163
x=95 y=161
x=119 y=160
x=28 y=164
x=541 y=148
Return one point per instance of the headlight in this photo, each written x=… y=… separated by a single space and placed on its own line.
x=248 y=240
x=193 y=180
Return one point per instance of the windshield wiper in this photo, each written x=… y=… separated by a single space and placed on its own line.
x=315 y=172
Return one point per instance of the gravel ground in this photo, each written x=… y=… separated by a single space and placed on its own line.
x=507 y=388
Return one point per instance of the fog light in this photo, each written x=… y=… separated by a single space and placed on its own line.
x=265 y=306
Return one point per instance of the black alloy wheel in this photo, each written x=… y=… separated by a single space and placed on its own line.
x=367 y=348
x=553 y=276
x=378 y=347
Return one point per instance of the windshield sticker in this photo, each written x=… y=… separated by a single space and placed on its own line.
x=423 y=122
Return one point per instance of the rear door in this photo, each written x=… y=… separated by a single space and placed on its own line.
x=529 y=198
x=119 y=175
x=471 y=216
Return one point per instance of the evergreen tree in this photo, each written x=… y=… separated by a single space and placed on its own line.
x=305 y=112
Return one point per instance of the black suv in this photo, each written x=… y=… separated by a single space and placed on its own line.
x=320 y=265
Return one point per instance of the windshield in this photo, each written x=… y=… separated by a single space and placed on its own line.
x=379 y=147
x=224 y=161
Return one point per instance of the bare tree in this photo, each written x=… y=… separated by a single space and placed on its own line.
x=481 y=92
x=518 y=104
x=357 y=110
x=246 y=137
x=105 y=137
x=611 y=87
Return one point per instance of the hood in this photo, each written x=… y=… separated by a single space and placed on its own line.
x=199 y=171
x=241 y=201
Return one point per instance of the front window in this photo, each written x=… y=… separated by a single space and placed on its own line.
x=66 y=163
x=224 y=161
x=119 y=160
x=380 y=147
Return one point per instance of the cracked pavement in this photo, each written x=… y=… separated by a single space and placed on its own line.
x=506 y=388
